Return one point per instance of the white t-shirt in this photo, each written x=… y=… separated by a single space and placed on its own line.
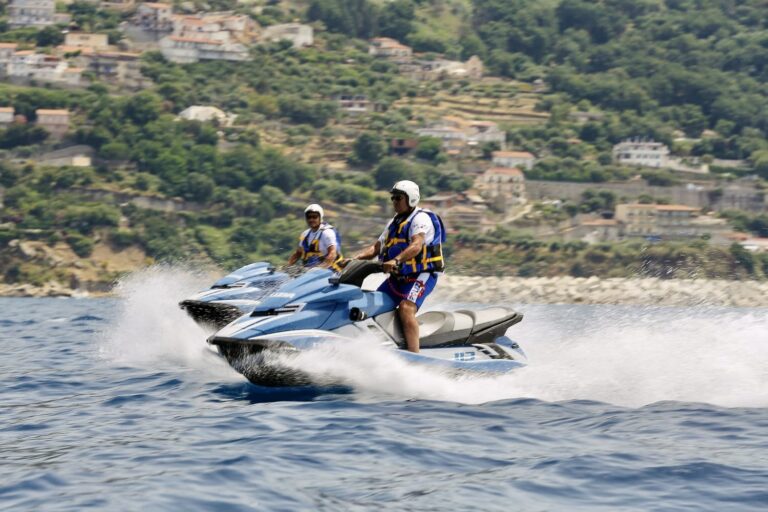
x=422 y=223
x=327 y=239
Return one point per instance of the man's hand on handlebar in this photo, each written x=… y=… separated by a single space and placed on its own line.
x=389 y=267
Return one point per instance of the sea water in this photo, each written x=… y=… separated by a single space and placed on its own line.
x=118 y=404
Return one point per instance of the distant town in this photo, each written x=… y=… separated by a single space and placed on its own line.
x=455 y=115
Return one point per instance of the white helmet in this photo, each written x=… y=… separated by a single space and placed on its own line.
x=410 y=189
x=315 y=208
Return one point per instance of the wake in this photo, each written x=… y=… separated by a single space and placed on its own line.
x=628 y=356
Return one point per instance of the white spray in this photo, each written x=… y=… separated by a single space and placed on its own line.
x=151 y=329
x=624 y=356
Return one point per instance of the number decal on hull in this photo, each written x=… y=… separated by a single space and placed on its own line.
x=464 y=356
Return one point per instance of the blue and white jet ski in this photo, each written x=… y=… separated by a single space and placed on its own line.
x=320 y=307
x=233 y=295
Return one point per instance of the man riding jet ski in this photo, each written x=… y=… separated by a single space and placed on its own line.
x=320 y=243
x=320 y=307
x=411 y=252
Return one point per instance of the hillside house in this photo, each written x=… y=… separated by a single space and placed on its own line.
x=54 y=121
x=7 y=50
x=453 y=139
x=670 y=220
x=441 y=68
x=388 y=48
x=86 y=41
x=205 y=114
x=31 y=13
x=154 y=17
x=298 y=34
x=402 y=146
x=459 y=134
x=594 y=231
x=209 y=36
x=27 y=65
x=118 y=68
x=6 y=116
x=513 y=159
x=641 y=153
x=502 y=182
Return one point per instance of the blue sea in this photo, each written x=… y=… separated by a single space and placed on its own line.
x=118 y=404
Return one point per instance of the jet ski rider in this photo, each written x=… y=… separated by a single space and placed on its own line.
x=410 y=249
x=320 y=243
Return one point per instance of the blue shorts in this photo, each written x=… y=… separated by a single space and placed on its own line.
x=413 y=288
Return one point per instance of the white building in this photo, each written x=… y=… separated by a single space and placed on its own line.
x=6 y=55
x=206 y=114
x=119 y=68
x=216 y=26
x=27 y=65
x=209 y=36
x=55 y=121
x=389 y=48
x=458 y=133
x=186 y=50
x=641 y=153
x=31 y=13
x=155 y=17
x=658 y=219
x=6 y=116
x=298 y=34
x=85 y=40
x=510 y=159
x=505 y=182
x=441 y=68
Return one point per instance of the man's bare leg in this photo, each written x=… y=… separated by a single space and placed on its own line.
x=407 y=314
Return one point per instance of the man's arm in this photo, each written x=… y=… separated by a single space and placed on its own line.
x=369 y=252
x=295 y=256
x=330 y=257
x=416 y=245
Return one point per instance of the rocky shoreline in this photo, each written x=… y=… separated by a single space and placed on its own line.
x=594 y=290
x=537 y=290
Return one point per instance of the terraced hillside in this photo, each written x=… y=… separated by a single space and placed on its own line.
x=517 y=109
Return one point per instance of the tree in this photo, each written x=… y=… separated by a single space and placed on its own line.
x=396 y=20
x=143 y=107
x=49 y=36
x=391 y=170
x=368 y=149
x=429 y=148
x=22 y=135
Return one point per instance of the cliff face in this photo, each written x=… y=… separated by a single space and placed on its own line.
x=36 y=268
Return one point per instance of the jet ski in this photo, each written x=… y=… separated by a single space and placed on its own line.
x=320 y=307
x=233 y=295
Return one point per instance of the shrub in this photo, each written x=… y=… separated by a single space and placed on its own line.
x=82 y=246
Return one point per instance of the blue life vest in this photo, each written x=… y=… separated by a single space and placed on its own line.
x=430 y=259
x=310 y=247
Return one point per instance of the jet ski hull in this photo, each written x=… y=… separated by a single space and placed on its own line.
x=262 y=360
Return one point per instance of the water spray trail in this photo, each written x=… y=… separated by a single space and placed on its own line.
x=149 y=327
x=630 y=357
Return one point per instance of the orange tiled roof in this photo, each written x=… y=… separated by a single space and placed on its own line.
x=52 y=112
x=512 y=154
x=508 y=171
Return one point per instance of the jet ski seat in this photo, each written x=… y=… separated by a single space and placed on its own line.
x=449 y=328
x=443 y=328
x=490 y=323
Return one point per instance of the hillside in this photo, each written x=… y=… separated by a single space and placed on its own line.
x=564 y=80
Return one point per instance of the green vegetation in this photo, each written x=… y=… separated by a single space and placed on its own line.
x=502 y=253
x=610 y=69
